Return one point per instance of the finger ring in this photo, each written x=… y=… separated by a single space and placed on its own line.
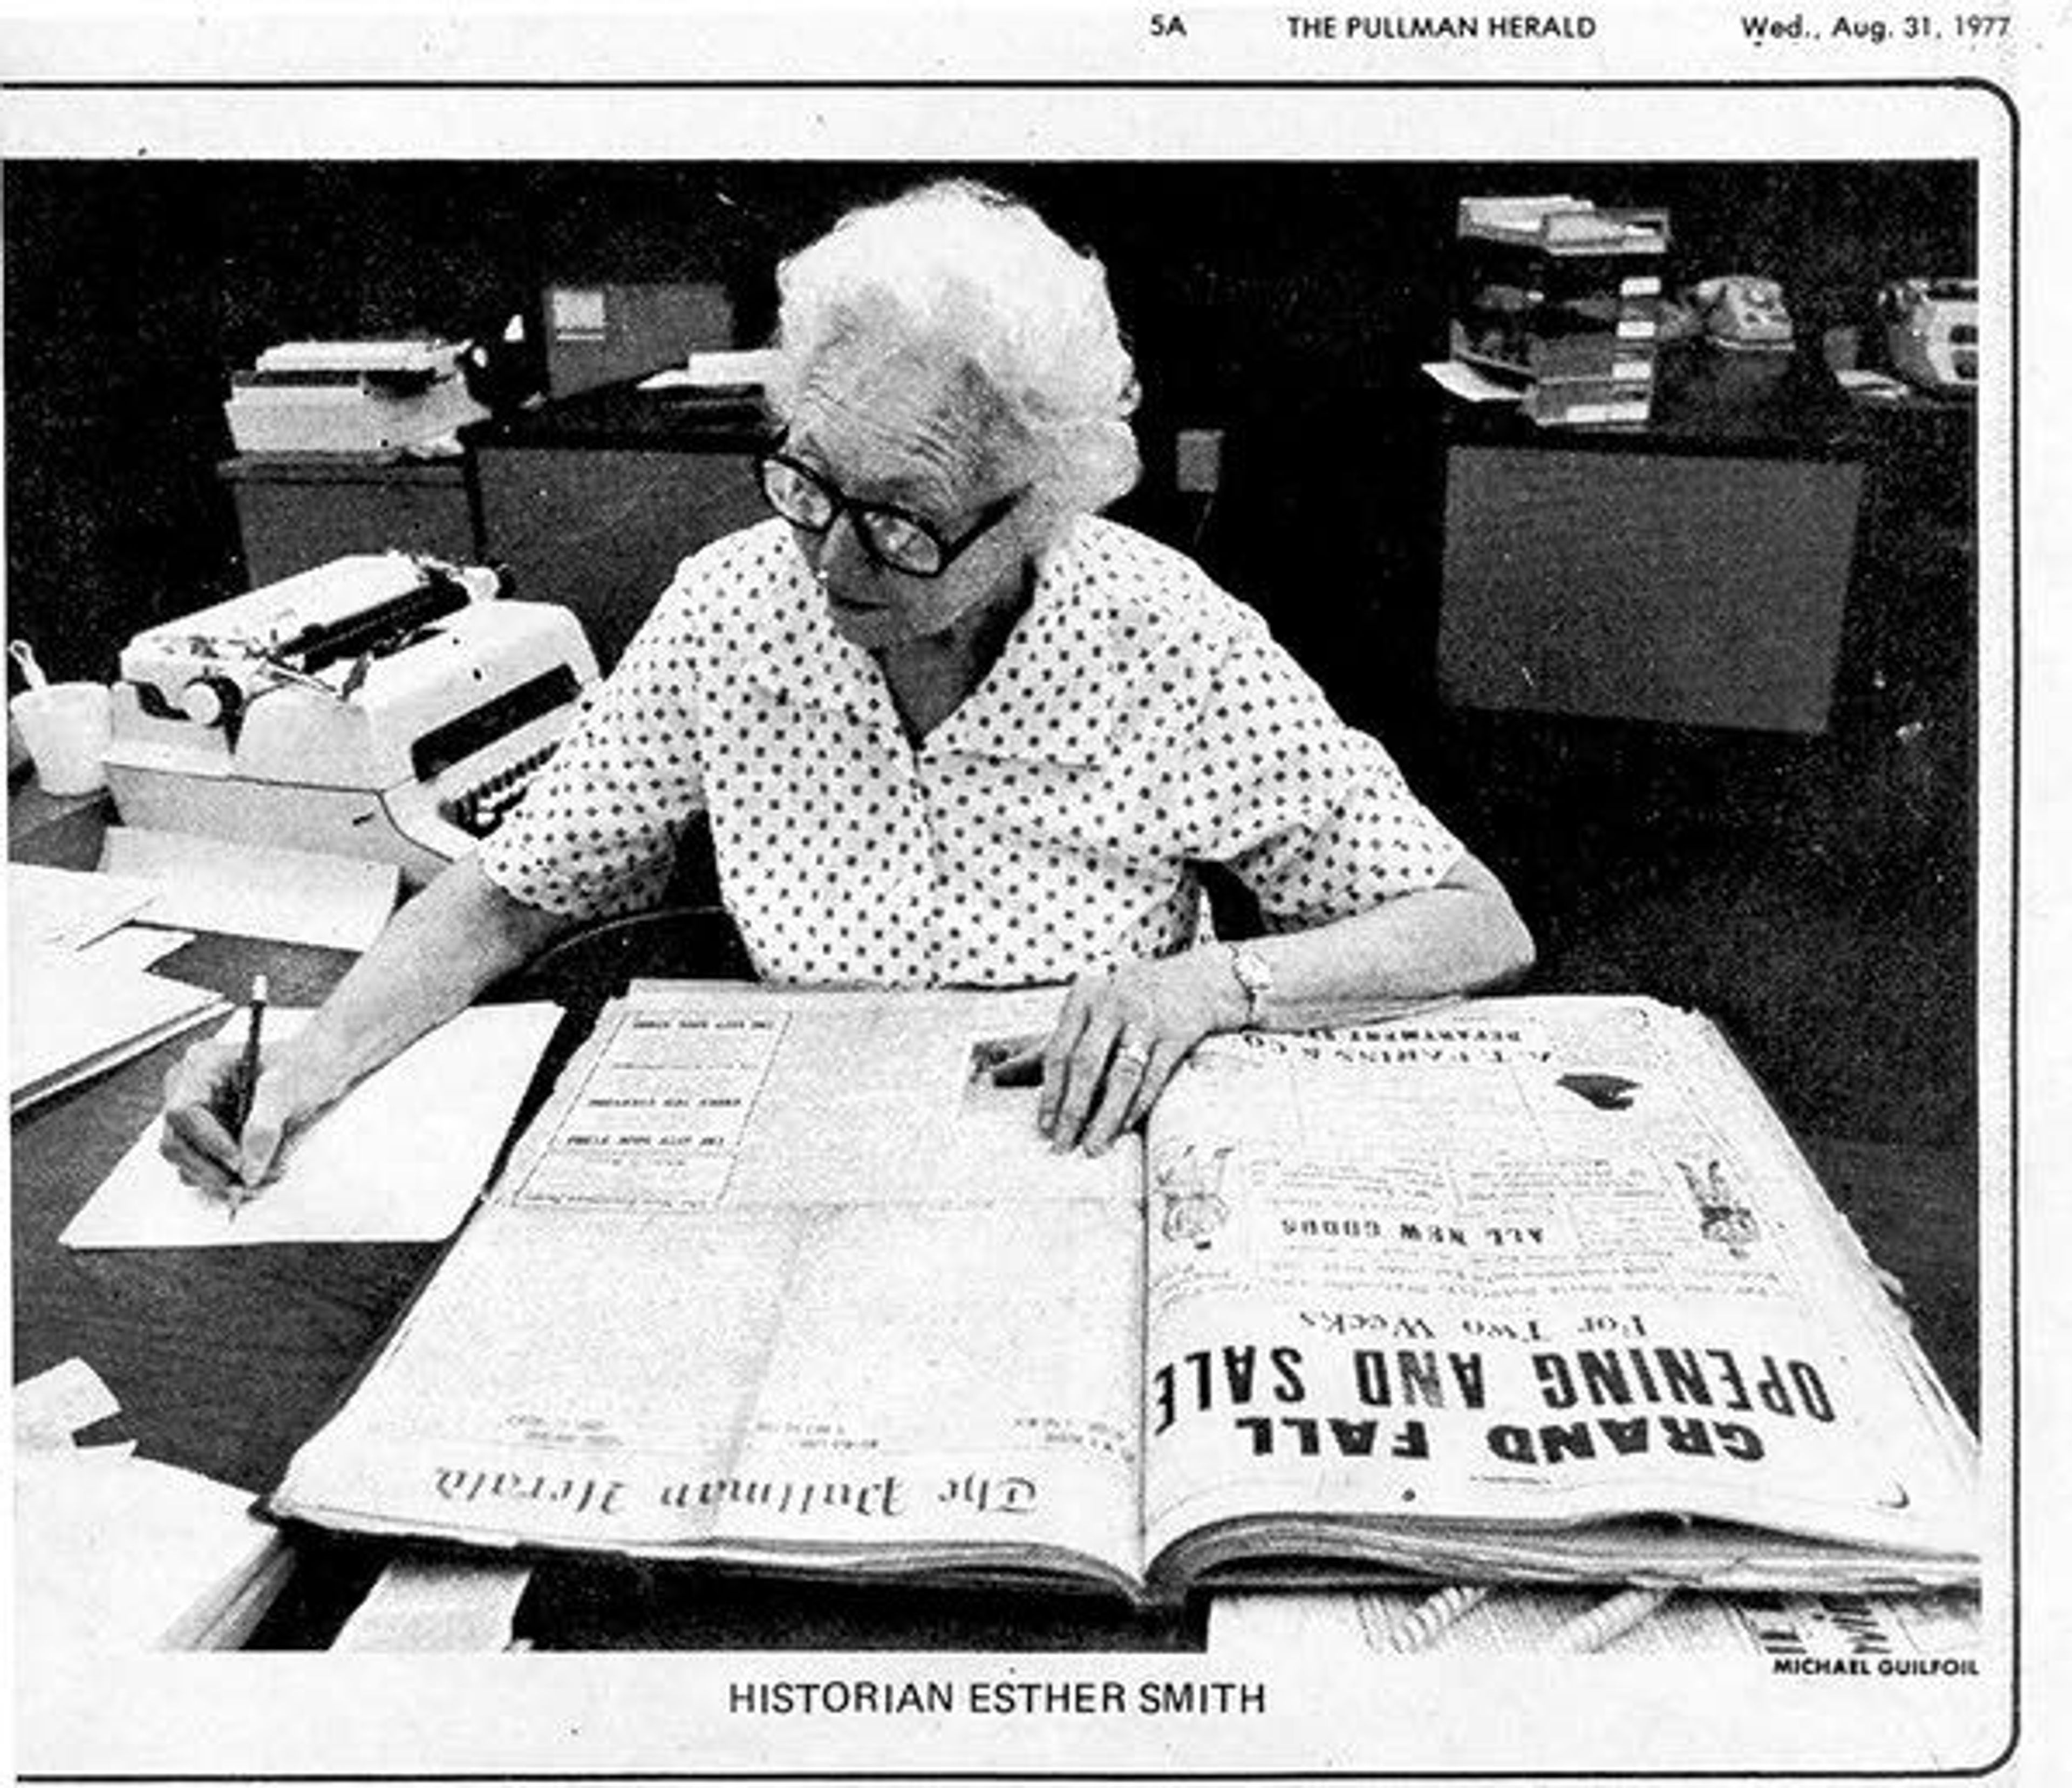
x=1134 y=1055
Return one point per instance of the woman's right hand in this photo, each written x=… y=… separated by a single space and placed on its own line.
x=202 y=1094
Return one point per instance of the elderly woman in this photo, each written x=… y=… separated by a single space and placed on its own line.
x=949 y=726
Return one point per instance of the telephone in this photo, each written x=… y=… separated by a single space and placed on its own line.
x=1743 y=312
x=1932 y=332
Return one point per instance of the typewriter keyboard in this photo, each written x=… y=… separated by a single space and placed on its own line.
x=479 y=808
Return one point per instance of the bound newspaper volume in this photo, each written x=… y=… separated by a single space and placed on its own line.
x=1529 y=1288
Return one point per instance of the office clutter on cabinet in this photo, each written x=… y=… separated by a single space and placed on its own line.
x=1459 y=380
x=116 y=1553
x=599 y=333
x=739 y=373
x=1742 y=313
x=360 y=396
x=1559 y=298
x=380 y=706
x=506 y=370
x=1931 y=333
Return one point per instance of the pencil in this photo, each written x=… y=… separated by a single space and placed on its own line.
x=1608 y=1621
x=247 y=1084
x=1423 y=1624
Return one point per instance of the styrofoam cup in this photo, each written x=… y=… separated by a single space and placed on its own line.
x=65 y=727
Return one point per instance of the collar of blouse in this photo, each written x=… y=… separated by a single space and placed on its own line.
x=1047 y=699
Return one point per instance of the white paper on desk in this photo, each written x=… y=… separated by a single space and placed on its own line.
x=65 y=909
x=53 y=1406
x=120 y=1553
x=1462 y=381
x=255 y=890
x=70 y=1018
x=134 y=946
x=400 y=1159
x=438 y=1603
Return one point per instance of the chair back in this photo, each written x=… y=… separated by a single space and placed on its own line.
x=596 y=962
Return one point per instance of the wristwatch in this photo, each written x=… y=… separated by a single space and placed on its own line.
x=1254 y=974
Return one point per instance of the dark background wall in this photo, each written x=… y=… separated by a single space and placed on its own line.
x=1287 y=304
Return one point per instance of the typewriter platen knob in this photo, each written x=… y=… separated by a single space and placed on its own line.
x=211 y=700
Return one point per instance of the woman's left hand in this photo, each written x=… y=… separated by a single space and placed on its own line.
x=1119 y=1035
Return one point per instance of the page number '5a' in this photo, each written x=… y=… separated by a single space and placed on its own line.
x=1168 y=24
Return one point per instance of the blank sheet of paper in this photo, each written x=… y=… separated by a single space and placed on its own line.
x=399 y=1158
x=438 y=1603
x=53 y=1406
x=70 y=1018
x=63 y=909
x=135 y=947
x=255 y=890
x=123 y=1555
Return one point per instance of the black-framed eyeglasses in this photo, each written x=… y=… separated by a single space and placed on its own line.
x=893 y=537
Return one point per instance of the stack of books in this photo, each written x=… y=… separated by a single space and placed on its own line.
x=1559 y=297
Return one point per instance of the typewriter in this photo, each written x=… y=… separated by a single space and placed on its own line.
x=384 y=706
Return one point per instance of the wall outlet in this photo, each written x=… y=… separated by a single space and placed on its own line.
x=1198 y=459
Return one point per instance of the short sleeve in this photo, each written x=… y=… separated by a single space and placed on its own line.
x=1311 y=814
x=596 y=833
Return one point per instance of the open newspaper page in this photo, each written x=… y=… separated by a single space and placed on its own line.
x=1527 y=1287
x=775 y=1278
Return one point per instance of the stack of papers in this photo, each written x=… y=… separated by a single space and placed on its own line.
x=82 y=1002
x=425 y=358
x=718 y=369
x=66 y=909
x=70 y=1018
x=254 y=890
x=116 y=1553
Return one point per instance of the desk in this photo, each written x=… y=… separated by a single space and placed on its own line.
x=223 y=1361
x=1763 y=554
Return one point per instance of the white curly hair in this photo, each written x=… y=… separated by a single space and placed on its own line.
x=963 y=274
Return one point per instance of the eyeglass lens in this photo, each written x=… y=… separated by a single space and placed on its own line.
x=812 y=502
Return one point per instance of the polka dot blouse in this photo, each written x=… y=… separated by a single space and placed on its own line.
x=1138 y=721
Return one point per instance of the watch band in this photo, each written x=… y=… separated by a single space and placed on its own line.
x=1254 y=974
